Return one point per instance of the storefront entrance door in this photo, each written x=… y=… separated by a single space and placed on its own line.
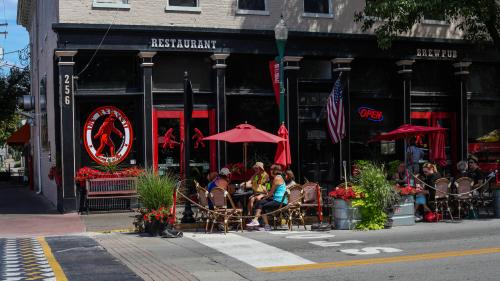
x=168 y=130
x=445 y=120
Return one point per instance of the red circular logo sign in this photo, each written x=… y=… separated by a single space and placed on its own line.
x=108 y=135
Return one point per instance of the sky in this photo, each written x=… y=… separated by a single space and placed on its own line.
x=17 y=37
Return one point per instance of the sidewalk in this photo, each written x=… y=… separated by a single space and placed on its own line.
x=159 y=259
x=23 y=213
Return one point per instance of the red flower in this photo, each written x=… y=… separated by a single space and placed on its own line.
x=348 y=194
x=407 y=190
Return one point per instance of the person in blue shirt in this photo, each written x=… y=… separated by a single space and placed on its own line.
x=413 y=155
x=222 y=180
x=274 y=198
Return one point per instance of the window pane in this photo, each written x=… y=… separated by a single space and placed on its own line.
x=259 y=5
x=317 y=6
x=183 y=3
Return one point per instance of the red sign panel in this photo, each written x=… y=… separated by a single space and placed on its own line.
x=274 y=68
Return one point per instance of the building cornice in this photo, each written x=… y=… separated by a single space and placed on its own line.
x=24 y=13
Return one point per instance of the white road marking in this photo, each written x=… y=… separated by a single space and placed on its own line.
x=310 y=236
x=370 y=251
x=287 y=232
x=249 y=251
x=326 y=244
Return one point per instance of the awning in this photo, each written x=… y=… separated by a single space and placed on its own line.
x=20 y=137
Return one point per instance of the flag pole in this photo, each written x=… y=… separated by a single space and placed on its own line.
x=340 y=158
x=345 y=173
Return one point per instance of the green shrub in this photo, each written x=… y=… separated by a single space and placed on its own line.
x=379 y=196
x=156 y=191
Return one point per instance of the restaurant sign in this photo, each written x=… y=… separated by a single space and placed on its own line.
x=177 y=43
x=370 y=114
x=437 y=53
x=107 y=135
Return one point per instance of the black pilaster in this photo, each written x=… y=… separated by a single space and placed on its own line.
x=462 y=74
x=67 y=127
x=147 y=87
x=343 y=65
x=292 y=67
x=220 y=91
x=405 y=70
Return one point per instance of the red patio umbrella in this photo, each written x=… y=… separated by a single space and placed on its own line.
x=437 y=145
x=283 y=156
x=245 y=133
x=407 y=131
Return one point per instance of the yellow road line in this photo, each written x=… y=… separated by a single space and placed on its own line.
x=396 y=259
x=124 y=230
x=56 y=267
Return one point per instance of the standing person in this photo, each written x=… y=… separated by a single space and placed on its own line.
x=275 y=197
x=413 y=155
x=258 y=182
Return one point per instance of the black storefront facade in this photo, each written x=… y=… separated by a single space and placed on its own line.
x=140 y=70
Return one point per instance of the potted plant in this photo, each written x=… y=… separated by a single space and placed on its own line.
x=379 y=198
x=345 y=215
x=156 y=196
x=404 y=210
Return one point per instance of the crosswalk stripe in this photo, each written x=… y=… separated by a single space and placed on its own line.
x=249 y=251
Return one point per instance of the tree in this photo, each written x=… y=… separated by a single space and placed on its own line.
x=478 y=19
x=12 y=86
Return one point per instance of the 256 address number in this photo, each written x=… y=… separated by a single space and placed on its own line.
x=67 y=90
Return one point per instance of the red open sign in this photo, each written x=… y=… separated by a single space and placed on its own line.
x=370 y=114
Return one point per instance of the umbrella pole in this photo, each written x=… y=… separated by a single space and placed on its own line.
x=245 y=150
x=406 y=152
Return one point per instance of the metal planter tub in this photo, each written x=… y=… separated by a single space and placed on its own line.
x=404 y=212
x=345 y=216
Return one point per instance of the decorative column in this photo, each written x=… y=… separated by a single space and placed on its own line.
x=462 y=73
x=67 y=127
x=220 y=91
x=343 y=65
x=291 y=69
x=405 y=70
x=147 y=87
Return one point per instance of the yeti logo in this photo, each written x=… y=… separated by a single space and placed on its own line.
x=107 y=135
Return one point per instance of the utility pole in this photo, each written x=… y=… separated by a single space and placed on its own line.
x=4 y=32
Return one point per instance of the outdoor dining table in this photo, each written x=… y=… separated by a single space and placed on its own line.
x=242 y=196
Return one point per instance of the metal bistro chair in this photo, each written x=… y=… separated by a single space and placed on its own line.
x=219 y=198
x=464 y=185
x=295 y=213
x=281 y=215
x=442 y=186
x=311 y=198
x=202 y=214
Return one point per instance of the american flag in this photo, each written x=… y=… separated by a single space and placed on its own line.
x=335 y=112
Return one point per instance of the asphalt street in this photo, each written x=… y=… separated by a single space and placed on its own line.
x=441 y=251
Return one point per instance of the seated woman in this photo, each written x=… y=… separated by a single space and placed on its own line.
x=426 y=193
x=400 y=177
x=289 y=178
x=275 y=197
x=258 y=182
